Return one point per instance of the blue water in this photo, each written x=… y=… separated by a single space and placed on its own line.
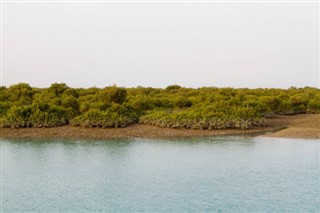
x=217 y=174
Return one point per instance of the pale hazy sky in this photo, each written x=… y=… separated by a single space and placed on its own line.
x=158 y=44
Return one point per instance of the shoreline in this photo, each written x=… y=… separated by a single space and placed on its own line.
x=296 y=126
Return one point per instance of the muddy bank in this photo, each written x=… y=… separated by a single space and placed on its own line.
x=298 y=126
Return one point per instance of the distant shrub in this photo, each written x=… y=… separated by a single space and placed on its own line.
x=116 y=116
x=173 y=107
x=182 y=102
x=173 y=87
x=35 y=116
x=314 y=105
x=200 y=120
x=113 y=94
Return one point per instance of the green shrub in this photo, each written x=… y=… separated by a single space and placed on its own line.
x=116 y=116
x=173 y=107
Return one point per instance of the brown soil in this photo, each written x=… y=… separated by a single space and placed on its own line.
x=299 y=126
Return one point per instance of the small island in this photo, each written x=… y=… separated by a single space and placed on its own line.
x=116 y=112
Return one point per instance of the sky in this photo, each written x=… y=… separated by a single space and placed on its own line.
x=252 y=45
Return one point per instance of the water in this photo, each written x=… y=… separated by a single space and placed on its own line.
x=217 y=174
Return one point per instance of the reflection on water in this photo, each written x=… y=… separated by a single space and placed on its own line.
x=229 y=174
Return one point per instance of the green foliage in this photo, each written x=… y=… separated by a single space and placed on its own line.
x=113 y=94
x=71 y=92
x=4 y=106
x=173 y=87
x=49 y=117
x=3 y=94
x=182 y=102
x=116 y=116
x=314 y=104
x=36 y=116
x=21 y=94
x=242 y=119
x=70 y=102
x=17 y=116
x=142 y=103
x=57 y=89
x=173 y=107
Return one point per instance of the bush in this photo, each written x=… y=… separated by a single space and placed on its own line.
x=240 y=119
x=116 y=116
x=36 y=116
x=174 y=107
x=314 y=105
x=17 y=116
x=113 y=94
x=173 y=87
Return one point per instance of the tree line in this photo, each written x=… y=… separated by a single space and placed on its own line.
x=174 y=107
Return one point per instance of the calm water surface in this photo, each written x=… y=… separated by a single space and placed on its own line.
x=226 y=174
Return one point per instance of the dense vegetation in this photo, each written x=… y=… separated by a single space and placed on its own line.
x=175 y=107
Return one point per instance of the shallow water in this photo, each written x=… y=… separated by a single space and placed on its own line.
x=212 y=174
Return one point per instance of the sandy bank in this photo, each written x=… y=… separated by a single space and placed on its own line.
x=299 y=126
